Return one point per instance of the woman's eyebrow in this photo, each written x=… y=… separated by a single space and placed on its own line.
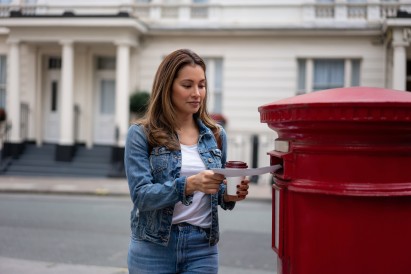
x=191 y=80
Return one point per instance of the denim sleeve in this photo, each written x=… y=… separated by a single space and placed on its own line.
x=146 y=194
x=224 y=205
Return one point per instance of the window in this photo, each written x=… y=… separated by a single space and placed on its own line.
x=328 y=74
x=356 y=10
x=106 y=63
x=199 y=12
x=54 y=63
x=355 y=72
x=169 y=10
x=320 y=74
x=142 y=8
x=108 y=96
x=324 y=9
x=3 y=81
x=54 y=94
x=215 y=84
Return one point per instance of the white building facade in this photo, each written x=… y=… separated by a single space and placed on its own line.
x=67 y=68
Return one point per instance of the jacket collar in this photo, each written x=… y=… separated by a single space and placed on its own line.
x=202 y=128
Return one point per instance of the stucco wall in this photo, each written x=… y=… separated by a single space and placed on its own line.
x=260 y=70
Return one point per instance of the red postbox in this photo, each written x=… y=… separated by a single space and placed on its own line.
x=342 y=201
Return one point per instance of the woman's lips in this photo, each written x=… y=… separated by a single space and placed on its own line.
x=194 y=104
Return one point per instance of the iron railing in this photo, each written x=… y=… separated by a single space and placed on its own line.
x=251 y=148
x=76 y=130
x=24 y=121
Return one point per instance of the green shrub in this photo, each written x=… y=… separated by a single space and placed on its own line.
x=139 y=102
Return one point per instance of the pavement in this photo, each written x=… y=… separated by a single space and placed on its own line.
x=87 y=186
x=18 y=266
x=93 y=186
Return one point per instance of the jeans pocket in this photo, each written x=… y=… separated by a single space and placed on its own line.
x=205 y=232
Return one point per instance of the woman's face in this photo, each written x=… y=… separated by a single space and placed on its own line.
x=189 y=90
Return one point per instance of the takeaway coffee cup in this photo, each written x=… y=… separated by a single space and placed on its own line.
x=232 y=182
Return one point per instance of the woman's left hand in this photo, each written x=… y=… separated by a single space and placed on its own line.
x=242 y=192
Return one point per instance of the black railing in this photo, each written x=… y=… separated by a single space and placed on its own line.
x=24 y=121
x=5 y=128
x=4 y=134
x=76 y=123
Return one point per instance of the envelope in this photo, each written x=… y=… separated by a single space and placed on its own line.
x=234 y=172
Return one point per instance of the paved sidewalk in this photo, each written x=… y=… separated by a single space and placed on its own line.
x=17 y=266
x=92 y=186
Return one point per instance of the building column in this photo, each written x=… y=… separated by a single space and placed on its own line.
x=122 y=106
x=65 y=148
x=14 y=145
x=122 y=92
x=399 y=60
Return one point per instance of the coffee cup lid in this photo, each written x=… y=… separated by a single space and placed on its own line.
x=236 y=164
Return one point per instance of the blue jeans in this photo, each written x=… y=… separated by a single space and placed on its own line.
x=188 y=252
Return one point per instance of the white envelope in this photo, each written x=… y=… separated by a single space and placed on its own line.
x=234 y=172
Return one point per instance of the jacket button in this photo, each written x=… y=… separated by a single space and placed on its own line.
x=210 y=160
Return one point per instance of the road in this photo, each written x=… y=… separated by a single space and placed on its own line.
x=91 y=233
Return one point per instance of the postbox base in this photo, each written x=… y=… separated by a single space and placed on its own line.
x=346 y=234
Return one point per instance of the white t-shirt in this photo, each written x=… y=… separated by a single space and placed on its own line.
x=198 y=213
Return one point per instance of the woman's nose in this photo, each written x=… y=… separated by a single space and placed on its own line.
x=196 y=91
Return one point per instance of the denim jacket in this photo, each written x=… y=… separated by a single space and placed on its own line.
x=156 y=185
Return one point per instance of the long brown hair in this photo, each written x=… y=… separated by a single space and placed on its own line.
x=160 y=118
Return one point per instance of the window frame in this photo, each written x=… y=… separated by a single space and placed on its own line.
x=306 y=85
x=215 y=88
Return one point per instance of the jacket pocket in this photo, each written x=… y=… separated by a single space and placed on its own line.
x=159 y=159
x=159 y=163
x=216 y=155
x=152 y=221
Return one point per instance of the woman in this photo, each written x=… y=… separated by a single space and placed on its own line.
x=168 y=155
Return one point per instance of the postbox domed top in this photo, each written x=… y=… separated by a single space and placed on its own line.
x=348 y=95
x=354 y=103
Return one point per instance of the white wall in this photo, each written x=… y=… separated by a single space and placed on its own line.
x=28 y=88
x=261 y=70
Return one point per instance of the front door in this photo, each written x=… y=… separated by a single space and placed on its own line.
x=104 y=130
x=52 y=92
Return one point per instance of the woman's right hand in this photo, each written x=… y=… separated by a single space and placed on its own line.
x=206 y=181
